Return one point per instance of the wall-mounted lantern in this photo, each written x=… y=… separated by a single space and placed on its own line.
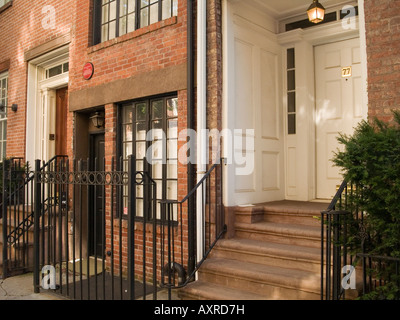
x=97 y=119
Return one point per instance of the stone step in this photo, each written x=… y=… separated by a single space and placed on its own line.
x=17 y=220
x=297 y=212
x=270 y=282
x=210 y=291
x=291 y=234
x=269 y=253
x=20 y=257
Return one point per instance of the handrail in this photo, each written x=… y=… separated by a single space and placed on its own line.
x=337 y=196
x=31 y=177
x=27 y=223
x=198 y=185
x=172 y=266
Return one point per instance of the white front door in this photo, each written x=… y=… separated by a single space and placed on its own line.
x=256 y=106
x=338 y=106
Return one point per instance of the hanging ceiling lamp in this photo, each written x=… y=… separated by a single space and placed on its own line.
x=316 y=12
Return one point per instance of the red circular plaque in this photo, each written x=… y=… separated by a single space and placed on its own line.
x=88 y=70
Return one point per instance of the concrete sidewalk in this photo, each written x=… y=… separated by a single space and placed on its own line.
x=21 y=288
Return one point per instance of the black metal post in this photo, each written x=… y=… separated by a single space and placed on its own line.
x=336 y=258
x=131 y=225
x=36 y=230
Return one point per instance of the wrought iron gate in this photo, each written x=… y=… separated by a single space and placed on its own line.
x=83 y=234
x=82 y=249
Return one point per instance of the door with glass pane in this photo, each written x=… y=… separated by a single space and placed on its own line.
x=149 y=130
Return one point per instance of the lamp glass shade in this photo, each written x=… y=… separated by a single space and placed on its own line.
x=98 y=120
x=316 y=12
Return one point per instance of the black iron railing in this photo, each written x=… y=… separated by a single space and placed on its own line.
x=17 y=213
x=336 y=251
x=101 y=232
x=207 y=196
x=91 y=240
x=378 y=272
x=345 y=264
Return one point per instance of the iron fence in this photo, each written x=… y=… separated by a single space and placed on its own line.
x=207 y=197
x=87 y=240
x=79 y=229
x=344 y=259
x=17 y=214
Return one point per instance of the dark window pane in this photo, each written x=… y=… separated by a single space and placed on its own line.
x=303 y=24
x=291 y=124
x=290 y=59
x=157 y=109
x=141 y=110
x=292 y=102
x=55 y=71
x=348 y=13
x=291 y=80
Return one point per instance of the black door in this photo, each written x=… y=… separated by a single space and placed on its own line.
x=96 y=193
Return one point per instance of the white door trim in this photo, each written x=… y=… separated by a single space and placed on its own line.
x=42 y=91
x=302 y=145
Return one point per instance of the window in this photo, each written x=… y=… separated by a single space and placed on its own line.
x=329 y=17
x=3 y=115
x=114 y=18
x=150 y=127
x=291 y=91
x=57 y=70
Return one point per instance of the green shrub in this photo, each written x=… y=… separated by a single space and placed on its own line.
x=371 y=159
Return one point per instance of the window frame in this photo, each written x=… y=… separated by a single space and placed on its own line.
x=98 y=24
x=165 y=178
x=7 y=4
x=3 y=120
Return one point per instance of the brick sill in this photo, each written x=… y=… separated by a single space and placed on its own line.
x=6 y=6
x=134 y=34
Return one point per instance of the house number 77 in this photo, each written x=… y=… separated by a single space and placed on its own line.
x=346 y=72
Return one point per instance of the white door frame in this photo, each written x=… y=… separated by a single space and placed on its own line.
x=40 y=118
x=301 y=166
x=300 y=175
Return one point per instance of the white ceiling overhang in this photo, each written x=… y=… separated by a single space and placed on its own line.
x=282 y=9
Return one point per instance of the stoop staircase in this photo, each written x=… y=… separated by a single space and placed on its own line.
x=20 y=248
x=274 y=255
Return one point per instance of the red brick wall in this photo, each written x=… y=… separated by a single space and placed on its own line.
x=160 y=45
x=152 y=48
x=383 y=49
x=21 y=29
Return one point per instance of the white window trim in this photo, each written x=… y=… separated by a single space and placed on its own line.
x=4 y=75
